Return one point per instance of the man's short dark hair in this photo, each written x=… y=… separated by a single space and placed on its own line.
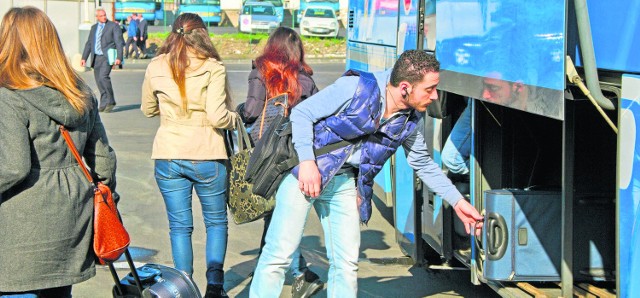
x=412 y=66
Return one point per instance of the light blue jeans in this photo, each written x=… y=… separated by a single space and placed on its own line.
x=298 y=264
x=457 y=148
x=337 y=208
x=176 y=180
x=61 y=292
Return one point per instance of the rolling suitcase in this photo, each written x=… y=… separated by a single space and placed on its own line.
x=521 y=235
x=153 y=280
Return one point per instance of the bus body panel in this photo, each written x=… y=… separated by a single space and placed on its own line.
x=615 y=29
x=208 y=10
x=147 y=8
x=629 y=187
x=504 y=40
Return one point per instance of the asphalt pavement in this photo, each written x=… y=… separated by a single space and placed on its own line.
x=384 y=270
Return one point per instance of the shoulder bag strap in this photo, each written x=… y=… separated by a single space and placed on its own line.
x=74 y=151
x=244 y=142
x=264 y=112
x=331 y=147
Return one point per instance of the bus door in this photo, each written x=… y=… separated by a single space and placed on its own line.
x=629 y=188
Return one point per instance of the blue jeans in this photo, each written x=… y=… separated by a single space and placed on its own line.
x=337 y=208
x=61 y=292
x=457 y=148
x=176 y=179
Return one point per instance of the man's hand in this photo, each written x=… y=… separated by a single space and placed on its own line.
x=83 y=63
x=141 y=38
x=469 y=216
x=117 y=62
x=309 y=179
x=135 y=38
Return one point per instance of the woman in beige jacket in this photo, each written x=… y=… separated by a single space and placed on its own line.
x=186 y=86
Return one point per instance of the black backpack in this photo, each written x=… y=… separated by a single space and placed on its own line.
x=274 y=156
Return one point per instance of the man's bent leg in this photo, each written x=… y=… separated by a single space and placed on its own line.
x=283 y=237
x=338 y=212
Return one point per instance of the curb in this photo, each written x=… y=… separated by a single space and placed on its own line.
x=142 y=63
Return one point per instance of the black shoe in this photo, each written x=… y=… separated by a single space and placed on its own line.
x=306 y=285
x=215 y=291
x=109 y=108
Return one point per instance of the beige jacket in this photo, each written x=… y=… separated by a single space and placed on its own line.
x=197 y=133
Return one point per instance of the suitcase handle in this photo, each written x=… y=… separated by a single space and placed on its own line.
x=134 y=273
x=497 y=237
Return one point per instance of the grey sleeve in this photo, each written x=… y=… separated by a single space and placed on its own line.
x=99 y=156
x=15 y=155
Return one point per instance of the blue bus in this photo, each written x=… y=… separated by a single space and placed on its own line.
x=208 y=10
x=147 y=8
x=333 y=4
x=556 y=172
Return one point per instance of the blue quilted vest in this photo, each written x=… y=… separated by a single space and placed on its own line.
x=361 y=120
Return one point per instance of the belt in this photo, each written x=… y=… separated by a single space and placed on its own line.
x=186 y=121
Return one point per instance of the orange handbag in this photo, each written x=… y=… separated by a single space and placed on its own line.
x=110 y=238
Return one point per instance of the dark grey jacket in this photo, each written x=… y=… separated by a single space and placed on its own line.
x=251 y=109
x=111 y=39
x=46 y=203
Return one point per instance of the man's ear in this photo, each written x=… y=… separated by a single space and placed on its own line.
x=517 y=87
x=406 y=88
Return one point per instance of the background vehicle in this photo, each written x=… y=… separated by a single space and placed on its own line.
x=277 y=4
x=208 y=10
x=319 y=21
x=258 y=17
x=334 y=4
x=148 y=8
x=541 y=137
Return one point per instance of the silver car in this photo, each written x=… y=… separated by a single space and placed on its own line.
x=258 y=17
x=319 y=21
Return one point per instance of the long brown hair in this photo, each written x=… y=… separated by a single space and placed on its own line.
x=189 y=34
x=31 y=56
x=281 y=62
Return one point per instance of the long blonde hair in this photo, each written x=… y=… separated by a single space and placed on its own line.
x=189 y=34
x=31 y=55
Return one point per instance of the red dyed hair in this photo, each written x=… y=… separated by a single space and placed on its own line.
x=281 y=62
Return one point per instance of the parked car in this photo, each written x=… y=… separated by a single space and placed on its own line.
x=258 y=17
x=319 y=21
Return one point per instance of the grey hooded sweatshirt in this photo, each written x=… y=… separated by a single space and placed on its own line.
x=46 y=202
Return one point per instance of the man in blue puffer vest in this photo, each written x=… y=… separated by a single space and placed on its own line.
x=377 y=113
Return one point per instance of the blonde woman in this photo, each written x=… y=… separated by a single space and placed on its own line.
x=46 y=203
x=186 y=86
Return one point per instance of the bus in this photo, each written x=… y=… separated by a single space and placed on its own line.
x=276 y=3
x=208 y=10
x=554 y=162
x=333 y=4
x=147 y=8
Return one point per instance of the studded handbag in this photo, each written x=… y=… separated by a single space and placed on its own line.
x=244 y=205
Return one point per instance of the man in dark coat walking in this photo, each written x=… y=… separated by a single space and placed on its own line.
x=142 y=36
x=104 y=36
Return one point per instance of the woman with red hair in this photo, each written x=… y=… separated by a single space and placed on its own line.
x=281 y=69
